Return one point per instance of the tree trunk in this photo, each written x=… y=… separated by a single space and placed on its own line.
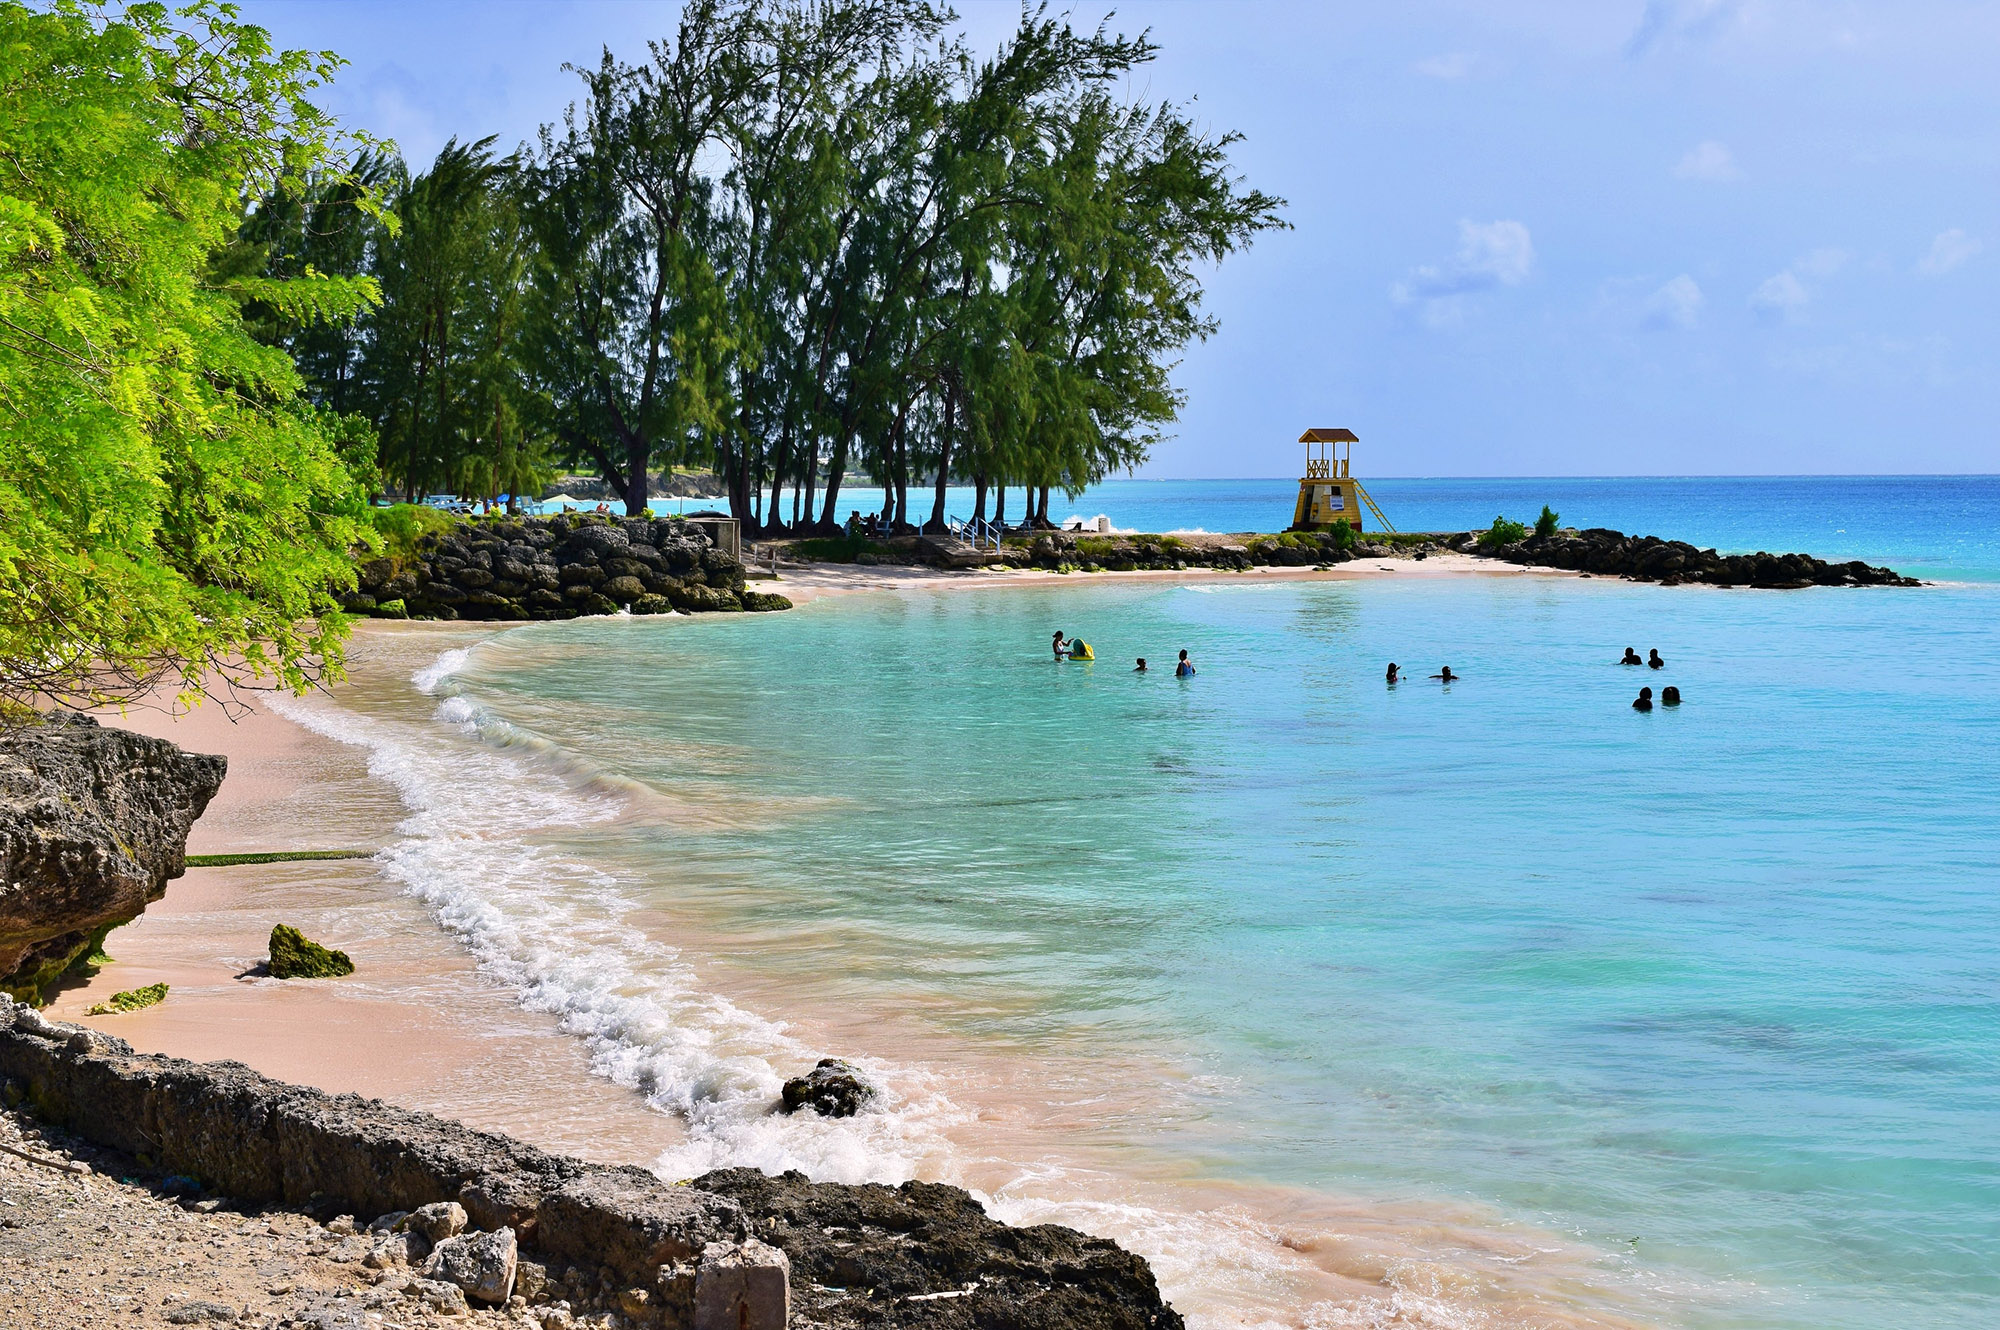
x=635 y=478
x=1042 y=511
x=979 y=497
x=1000 y=507
x=944 y=462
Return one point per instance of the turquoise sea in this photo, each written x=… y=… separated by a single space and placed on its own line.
x=1486 y=1004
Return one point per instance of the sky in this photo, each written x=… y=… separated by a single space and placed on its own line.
x=1601 y=237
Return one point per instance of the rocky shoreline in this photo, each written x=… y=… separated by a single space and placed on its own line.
x=1602 y=552
x=557 y=568
x=439 y=1218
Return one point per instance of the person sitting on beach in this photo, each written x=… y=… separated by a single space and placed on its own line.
x=1446 y=676
x=1644 y=702
x=1060 y=645
x=853 y=523
x=1392 y=672
x=1670 y=696
x=1631 y=658
x=1140 y=668
x=1653 y=659
x=1184 y=670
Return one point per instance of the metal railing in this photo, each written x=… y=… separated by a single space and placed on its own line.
x=975 y=531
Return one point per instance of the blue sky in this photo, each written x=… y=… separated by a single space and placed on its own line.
x=1635 y=237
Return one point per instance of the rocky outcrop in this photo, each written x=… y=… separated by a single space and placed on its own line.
x=1606 y=553
x=833 y=1089
x=715 y=1251
x=926 y=1255
x=557 y=568
x=93 y=825
x=296 y=956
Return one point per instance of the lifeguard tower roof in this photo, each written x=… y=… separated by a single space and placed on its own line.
x=1329 y=436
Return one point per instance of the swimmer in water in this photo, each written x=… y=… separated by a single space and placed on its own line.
x=1184 y=670
x=1670 y=696
x=1140 y=668
x=1631 y=658
x=1392 y=672
x=1060 y=645
x=1644 y=702
x=1653 y=659
x=1447 y=676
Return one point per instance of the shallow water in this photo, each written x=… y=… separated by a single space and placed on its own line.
x=1496 y=1004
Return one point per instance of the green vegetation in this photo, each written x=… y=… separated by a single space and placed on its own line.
x=272 y=857
x=1502 y=532
x=172 y=511
x=1546 y=524
x=402 y=525
x=294 y=956
x=132 y=999
x=801 y=241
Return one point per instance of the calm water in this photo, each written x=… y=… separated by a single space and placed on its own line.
x=1709 y=998
x=1940 y=526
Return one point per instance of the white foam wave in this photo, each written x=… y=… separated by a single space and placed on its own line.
x=430 y=676
x=555 y=929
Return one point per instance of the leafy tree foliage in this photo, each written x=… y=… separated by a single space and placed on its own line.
x=172 y=510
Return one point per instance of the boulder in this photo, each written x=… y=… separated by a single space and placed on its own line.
x=438 y=1220
x=481 y=1264
x=742 y=1286
x=93 y=825
x=695 y=597
x=294 y=956
x=763 y=601
x=833 y=1089
x=389 y=1251
x=622 y=590
x=652 y=604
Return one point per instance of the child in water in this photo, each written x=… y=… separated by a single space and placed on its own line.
x=1447 y=676
x=1644 y=702
x=1653 y=659
x=1184 y=670
x=1140 y=668
x=1670 y=696
x=1392 y=672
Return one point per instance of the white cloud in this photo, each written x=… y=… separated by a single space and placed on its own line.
x=1948 y=251
x=1677 y=304
x=1451 y=65
x=1708 y=160
x=1676 y=22
x=1782 y=296
x=1490 y=254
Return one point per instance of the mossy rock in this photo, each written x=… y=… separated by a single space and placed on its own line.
x=392 y=609
x=696 y=598
x=294 y=956
x=132 y=999
x=761 y=601
x=652 y=604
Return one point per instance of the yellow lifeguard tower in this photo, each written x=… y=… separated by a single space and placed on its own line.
x=1327 y=491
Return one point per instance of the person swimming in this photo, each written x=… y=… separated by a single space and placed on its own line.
x=1631 y=658
x=1392 y=673
x=1184 y=670
x=1643 y=702
x=1446 y=676
x=1140 y=668
x=1670 y=696
x=1060 y=645
x=1653 y=658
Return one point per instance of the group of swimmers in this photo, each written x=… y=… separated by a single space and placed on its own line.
x=1067 y=648
x=1670 y=696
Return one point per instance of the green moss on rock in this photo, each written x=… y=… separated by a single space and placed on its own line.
x=132 y=999
x=764 y=600
x=295 y=956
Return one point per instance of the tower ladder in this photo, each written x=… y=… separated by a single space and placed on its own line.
x=1384 y=522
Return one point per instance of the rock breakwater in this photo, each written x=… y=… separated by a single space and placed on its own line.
x=558 y=568
x=93 y=824
x=1607 y=553
x=727 y=1249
